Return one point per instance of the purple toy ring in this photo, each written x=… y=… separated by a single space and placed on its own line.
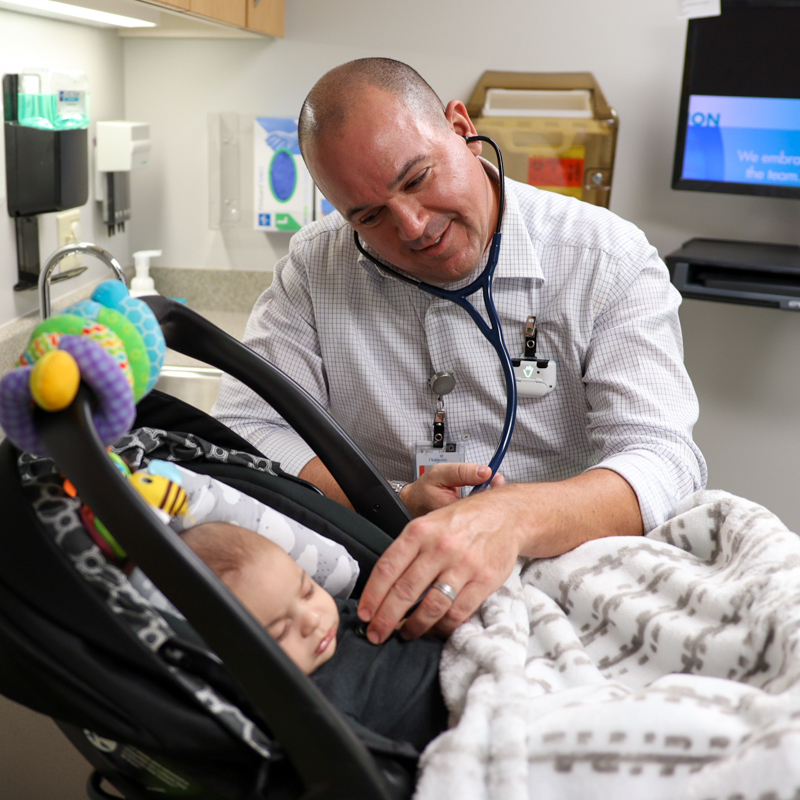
x=115 y=409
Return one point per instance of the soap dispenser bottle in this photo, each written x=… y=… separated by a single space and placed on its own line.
x=143 y=284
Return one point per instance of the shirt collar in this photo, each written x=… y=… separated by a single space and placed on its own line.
x=518 y=258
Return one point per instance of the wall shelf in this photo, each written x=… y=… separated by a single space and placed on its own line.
x=747 y=273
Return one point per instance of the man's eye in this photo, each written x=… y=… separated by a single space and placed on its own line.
x=370 y=218
x=418 y=180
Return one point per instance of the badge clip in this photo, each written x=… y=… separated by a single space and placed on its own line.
x=535 y=376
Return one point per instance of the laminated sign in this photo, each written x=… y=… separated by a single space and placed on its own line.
x=284 y=190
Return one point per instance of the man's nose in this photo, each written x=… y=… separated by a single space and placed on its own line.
x=410 y=219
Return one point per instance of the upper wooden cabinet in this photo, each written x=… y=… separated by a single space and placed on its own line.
x=266 y=16
x=258 y=16
x=184 y=5
x=233 y=12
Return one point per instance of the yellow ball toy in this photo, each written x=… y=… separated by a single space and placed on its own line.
x=54 y=380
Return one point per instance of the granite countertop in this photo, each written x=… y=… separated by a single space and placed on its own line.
x=224 y=297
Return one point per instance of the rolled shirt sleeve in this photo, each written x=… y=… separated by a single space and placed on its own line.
x=642 y=404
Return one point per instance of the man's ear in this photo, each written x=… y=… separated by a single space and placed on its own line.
x=460 y=123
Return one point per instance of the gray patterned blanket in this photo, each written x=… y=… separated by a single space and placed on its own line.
x=666 y=666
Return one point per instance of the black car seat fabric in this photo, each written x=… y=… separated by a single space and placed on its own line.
x=151 y=665
x=60 y=515
x=64 y=654
x=163 y=411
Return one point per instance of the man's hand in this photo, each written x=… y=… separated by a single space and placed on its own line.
x=441 y=485
x=438 y=487
x=473 y=545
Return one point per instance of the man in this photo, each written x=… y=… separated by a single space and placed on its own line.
x=608 y=452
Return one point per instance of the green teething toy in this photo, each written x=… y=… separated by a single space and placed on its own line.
x=47 y=335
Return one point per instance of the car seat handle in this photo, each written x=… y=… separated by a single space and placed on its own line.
x=370 y=493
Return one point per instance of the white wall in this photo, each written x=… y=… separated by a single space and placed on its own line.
x=28 y=41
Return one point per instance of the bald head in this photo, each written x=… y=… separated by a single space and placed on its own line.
x=330 y=103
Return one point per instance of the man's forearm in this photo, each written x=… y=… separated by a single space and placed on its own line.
x=554 y=518
x=317 y=473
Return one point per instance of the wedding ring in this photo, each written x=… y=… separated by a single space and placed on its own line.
x=446 y=589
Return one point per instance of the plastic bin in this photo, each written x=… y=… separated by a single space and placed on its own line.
x=555 y=129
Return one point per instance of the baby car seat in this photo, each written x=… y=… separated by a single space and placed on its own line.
x=213 y=708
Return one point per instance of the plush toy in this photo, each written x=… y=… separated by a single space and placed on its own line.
x=112 y=343
x=54 y=380
x=159 y=485
x=161 y=493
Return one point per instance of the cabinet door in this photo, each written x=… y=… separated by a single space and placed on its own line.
x=266 y=16
x=233 y=12
x=182 y=4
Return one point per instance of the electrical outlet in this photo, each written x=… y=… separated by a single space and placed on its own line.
x=69 y=232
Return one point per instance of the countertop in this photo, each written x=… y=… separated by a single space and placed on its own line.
x=232 y=322
x=224 y=297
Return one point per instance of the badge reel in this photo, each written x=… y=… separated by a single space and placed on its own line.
x=439 y=451
x=535 y=376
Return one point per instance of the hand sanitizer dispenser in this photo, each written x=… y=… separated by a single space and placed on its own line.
x=143 y=284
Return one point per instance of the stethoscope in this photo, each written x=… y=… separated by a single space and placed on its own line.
x=493 y=334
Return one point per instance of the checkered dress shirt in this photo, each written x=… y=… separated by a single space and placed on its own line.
x=365 y=345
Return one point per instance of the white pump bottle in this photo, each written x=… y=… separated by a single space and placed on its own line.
x=143 y=284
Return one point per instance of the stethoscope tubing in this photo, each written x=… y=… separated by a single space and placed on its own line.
x=493 y=333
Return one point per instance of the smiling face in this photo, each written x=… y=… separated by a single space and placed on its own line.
x=410 y=185
x=301 y=616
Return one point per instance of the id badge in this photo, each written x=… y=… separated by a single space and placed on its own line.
x=426 y=455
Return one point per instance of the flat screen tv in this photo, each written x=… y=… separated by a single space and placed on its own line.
x=739 y=123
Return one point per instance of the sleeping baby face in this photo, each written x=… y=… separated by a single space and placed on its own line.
x=301 y=616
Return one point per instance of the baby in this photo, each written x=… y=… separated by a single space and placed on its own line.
x=392 y=689
x=301 y=616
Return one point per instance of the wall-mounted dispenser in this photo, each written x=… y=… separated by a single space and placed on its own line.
x=284 y=190
x=229 y=169
x=120 y=147
x=47 y=161
x=257 y=177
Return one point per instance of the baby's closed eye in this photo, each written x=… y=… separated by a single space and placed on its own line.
x=279 y=629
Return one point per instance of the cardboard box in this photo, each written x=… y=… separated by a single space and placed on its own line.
x=283 y=189
x=555 y=130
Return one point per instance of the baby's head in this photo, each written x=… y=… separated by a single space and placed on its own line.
x=301 y=616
